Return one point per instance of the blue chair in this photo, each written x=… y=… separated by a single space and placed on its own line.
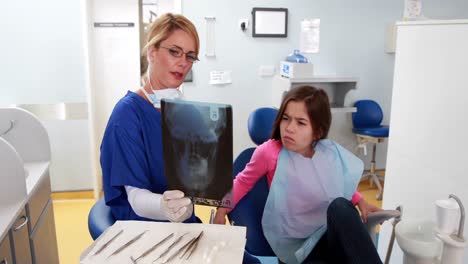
x=99 y=218
x=249 y=211
x=368 y=129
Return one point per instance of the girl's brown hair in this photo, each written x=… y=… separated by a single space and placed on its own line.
x=318 y=110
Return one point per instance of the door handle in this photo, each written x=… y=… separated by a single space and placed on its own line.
x=22 y=225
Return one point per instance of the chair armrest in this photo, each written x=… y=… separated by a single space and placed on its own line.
x=375 y=218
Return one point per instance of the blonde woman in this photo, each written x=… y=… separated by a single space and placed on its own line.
x=131 y=150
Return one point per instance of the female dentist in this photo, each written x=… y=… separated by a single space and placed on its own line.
x=131 y=151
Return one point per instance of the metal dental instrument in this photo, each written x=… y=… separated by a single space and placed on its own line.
x=144 y=254
x=108 y=242
x=170 y=247
x=192 y=247
x=187 y=244
x=124 y=246
x=190 y=244
x=212 y=216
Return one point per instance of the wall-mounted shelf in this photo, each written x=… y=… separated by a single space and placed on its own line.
x=336 y=87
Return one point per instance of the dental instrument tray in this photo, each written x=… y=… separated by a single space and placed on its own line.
x=197 y=147
x=157 y=242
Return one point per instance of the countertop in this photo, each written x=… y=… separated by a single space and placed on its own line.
x=36 y=172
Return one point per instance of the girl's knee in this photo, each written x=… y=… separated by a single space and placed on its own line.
x=340 y=207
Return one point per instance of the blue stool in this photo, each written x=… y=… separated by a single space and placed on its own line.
x=99 y=218
x=368 y=129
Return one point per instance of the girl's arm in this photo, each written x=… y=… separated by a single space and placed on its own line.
x=364 y=207
x=356 y=198
x=246 y=179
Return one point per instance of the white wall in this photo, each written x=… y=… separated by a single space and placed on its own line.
x=427 y=157
x=43 y=62
x=352 y=44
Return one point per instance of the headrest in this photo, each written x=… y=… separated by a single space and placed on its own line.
x=260 y=124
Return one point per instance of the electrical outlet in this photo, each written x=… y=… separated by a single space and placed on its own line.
x=243 y=24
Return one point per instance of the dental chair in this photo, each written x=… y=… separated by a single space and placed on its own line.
x=368 y=129
x=249 y=211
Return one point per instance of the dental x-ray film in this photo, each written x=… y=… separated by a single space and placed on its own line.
x=197 y=147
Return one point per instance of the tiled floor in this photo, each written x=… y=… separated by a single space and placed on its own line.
x=71 y=220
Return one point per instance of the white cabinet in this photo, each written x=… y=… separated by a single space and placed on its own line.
x=24 y=165
x=427 y=158
x=336 y=88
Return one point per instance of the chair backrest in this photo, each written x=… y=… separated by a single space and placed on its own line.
x=99 y=218
x=368 y=114
x=249 y=211
x=260 y=124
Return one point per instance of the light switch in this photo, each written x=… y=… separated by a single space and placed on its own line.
x=266 y=70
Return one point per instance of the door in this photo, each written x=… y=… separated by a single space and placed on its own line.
x=5 y=251
x=44 y=239
x=20 y=235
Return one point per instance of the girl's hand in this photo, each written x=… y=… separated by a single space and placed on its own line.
x=366 y=208
x=220 y=217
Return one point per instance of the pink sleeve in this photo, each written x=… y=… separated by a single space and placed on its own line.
x=253 y=171
x=357 y=197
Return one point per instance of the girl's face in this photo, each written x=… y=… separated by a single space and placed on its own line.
x=296 y=129
x=166 y=68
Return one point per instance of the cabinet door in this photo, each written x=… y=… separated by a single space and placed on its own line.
x=20 y=234
x=39 y=200
x=5 y=251
x=44 y=239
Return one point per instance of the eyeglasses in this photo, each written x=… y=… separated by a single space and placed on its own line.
x=177 y=52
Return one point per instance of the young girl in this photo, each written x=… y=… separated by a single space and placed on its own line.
x=310 y=212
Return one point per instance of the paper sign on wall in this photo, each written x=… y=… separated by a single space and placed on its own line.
x=220 y=77
x=310 y=36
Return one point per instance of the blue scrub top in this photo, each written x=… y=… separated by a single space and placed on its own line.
x=132 y=154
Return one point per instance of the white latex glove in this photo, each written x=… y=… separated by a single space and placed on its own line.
x=175 y=207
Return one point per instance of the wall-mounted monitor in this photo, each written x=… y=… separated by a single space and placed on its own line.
x=270 y=22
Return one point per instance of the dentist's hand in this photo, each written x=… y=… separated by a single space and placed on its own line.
x=175 y=207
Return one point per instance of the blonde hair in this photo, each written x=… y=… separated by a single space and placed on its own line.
x=163 y=27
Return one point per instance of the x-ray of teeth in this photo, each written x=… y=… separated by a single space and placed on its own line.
x=197 y=144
